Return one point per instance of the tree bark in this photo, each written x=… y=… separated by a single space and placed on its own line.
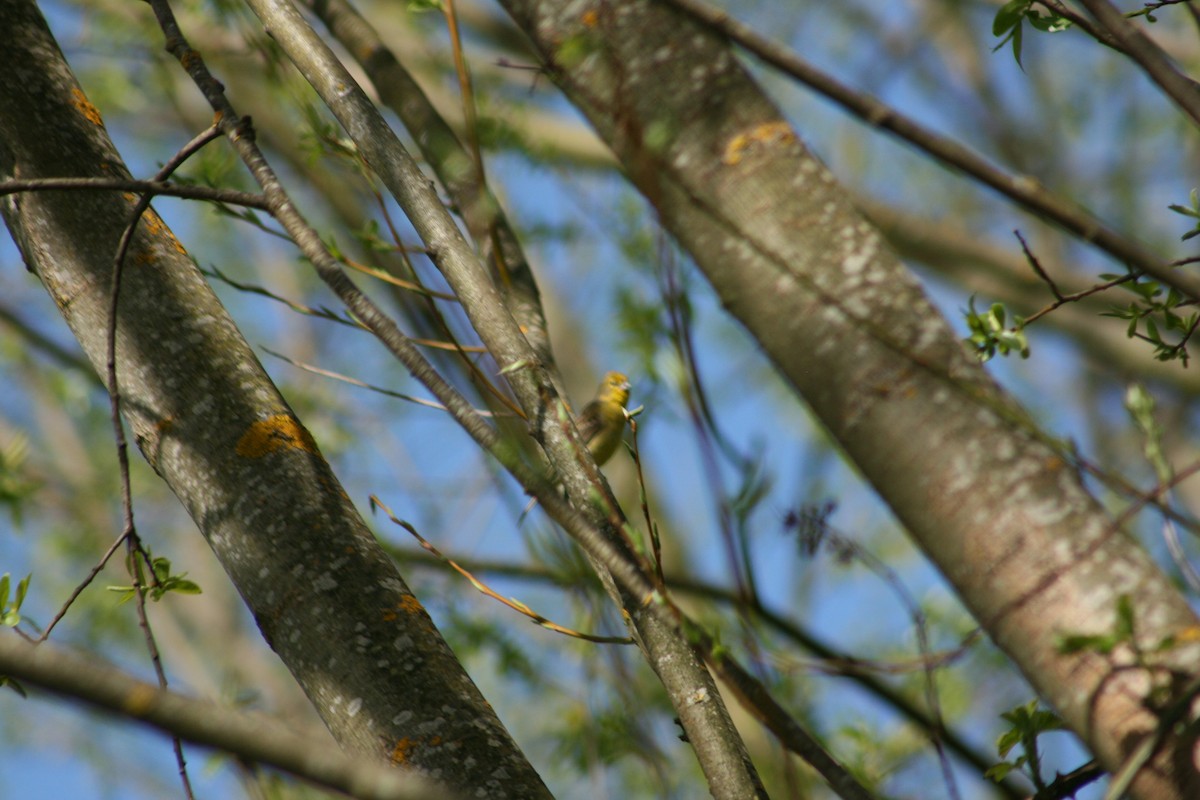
x=209 y=421
x=994 y=501
x=691 y=688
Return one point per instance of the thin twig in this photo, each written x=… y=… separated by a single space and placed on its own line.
x=86 y=582
x=129 y=533
x=153 y=187
x=651 y=525
x=337 y=376
x=1071 y=298
x=846 y=546
x=515 y=605
x=1037 y=266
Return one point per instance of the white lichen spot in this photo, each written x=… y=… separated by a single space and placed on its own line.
x=698 y=696
x=353 y=708
x=325 y=583
x=856 y=263
x=1062 y=550
x=402 y=718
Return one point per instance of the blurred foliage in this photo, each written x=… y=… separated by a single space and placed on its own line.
x=755 y=483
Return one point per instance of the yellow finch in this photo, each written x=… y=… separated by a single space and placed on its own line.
x=602 y=421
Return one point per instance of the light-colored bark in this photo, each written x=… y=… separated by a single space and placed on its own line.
x=690 y=687
x=210 y=422
x=994 y=502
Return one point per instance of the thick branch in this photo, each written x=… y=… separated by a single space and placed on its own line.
x=1024 y=190
x=210 y=422
x=250 y=737
x=1149 y=56
x=986 y=494
x=707 y=724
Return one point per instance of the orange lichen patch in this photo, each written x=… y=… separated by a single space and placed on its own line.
x=1189 y=634
x=274 y=433
x=153 y=222
x=139 y=701
x=770 y=133
x=156 y=226
x=405 y=746
x=591 y=18
x=191 y=59
x=80 y=101
x=401 y=750
x=410 y=605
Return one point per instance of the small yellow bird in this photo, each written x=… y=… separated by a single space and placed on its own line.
x=601 y=424
x=602 y=421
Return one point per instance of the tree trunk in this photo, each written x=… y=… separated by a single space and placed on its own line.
x=209 y=421
x=993 y=501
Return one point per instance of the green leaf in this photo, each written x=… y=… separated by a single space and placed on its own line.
x=1009 y=16
x=1000 y=771
x=182 y=586
x=22 y=588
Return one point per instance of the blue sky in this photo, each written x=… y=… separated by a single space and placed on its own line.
x=410 y=455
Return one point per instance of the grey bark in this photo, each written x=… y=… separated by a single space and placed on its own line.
x=209 y=421
x=995 y=503
x=690 y=687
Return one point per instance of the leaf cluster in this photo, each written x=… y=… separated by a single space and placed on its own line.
x=1010 y=23
x=163 y=580
x=990 y=333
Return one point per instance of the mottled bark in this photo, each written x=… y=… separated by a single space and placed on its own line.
x=994 y=502
x=209 y=421
x=688 y=684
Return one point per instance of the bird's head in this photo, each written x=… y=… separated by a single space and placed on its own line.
x=614 y=387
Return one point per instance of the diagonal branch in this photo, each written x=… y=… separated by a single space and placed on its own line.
x=1024 y=190
x=251 y=737
x=710 y=730
x=1149 y=56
